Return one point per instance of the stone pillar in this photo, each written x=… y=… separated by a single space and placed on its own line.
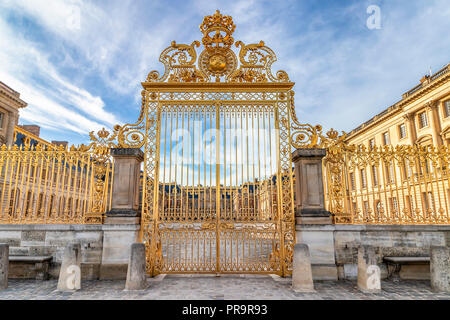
x=309 y=193
x=125 y=191
x=136 y=276
x=369 y=275
x=4 y=266
x=12 y=121
x=313 y=223
x=433 y=112
x=440 y=269
x=409 y=117
x=70 y=272
x=302 y=280
x=122 y=223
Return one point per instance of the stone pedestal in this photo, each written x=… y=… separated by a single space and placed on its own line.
x=70 y=272
x=313 y=222
x=136 y=276
x=125 y=190
x=122 y=223
x=369 y=278
x=440 y=269
x=117 y=241
x=309 y=193
x=4 y=266
x=302 y=280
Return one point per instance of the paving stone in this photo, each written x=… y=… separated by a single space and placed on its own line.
x=218 y=288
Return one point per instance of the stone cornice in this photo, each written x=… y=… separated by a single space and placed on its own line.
x=10 y=96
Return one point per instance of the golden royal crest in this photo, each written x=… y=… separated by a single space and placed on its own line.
x=217 y=62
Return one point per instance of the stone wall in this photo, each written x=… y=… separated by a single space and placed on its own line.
x=333 y=248
x=43 y=240
x=388 y=240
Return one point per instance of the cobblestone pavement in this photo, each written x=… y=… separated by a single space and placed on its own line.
x=236 y=287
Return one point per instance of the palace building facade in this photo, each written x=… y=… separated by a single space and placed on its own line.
x=395 y=166
x=421 y=117
x=40 y=181
x=10 y=103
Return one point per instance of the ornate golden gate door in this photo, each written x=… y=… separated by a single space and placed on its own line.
x=217 y=184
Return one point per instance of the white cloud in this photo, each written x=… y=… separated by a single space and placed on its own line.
x=344 y=73
x=54 y=102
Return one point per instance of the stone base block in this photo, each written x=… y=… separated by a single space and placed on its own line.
x=70 y=273
x=4 y=266
x=350 y=271
x=122 y=213
x=26 y=270
x=369 y=273
x=440 y=269
x=122 y=220
x=324 y=272
x=136 y=277
x=313 y=220
x=113 y=271
x=90 y=271
x=415 y=272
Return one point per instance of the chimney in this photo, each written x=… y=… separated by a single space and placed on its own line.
x=33 y=129
x=60 y=143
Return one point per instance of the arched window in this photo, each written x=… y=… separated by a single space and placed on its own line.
x=40 y=204
x=50 y=206
x=69 y=205
x=28 y=203
x=14 y=201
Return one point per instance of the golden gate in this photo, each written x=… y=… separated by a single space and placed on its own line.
x=218 y=179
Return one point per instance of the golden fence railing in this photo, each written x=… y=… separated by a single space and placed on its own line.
x=387 y=185
x=51 y=185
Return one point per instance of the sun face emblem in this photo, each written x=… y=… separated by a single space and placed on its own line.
x=217 y=62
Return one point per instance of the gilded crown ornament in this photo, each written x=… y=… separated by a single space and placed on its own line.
x=217 y=62
x=217 y=30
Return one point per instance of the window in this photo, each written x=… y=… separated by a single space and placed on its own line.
x=28 y=203
x=446 y=109
x=394 y=204
x=366 y=206
x=69 y=205
x=428 y=201
x=61 y=204
x=386 y=140
x=374 y=176
x=50 y=206
x=410 y=204
x=407 y=170
x=1 y=119
x=389 y=172
x=363 y=178
x=13 y=200
x=378 y=207
x=425 y=200
x=423 y=120
x=352 y=180
x=402 y=131
x=371 y=144
x=40 y=204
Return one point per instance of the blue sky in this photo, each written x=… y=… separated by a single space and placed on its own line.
x=81 y=77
